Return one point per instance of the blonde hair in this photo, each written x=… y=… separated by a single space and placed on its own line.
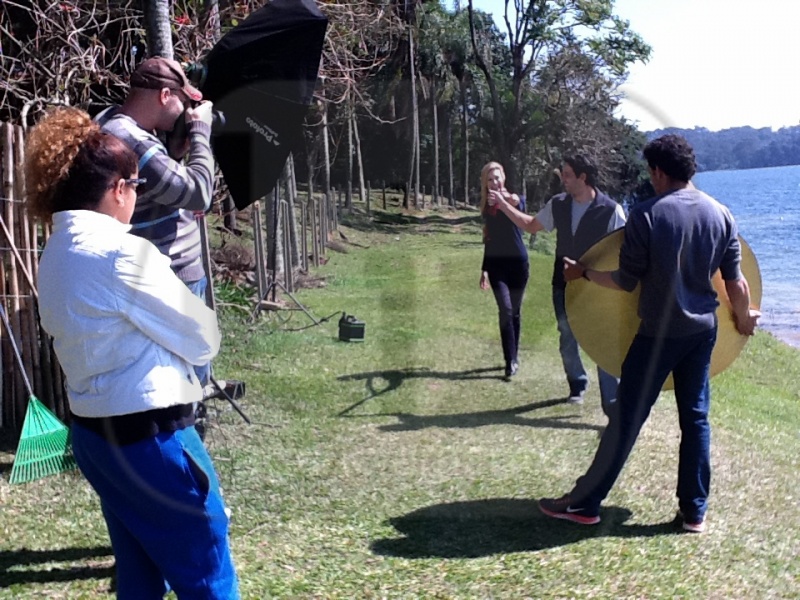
x=69 y=163
x=488 y=168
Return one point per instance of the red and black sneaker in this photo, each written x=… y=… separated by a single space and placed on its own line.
x=563 y=508
x=691 y=525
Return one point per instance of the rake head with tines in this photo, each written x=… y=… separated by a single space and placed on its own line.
x=44 y=448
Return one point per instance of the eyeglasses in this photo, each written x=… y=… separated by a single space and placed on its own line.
x=135 y=182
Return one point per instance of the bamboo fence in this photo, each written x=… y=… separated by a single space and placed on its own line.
x=21 y=240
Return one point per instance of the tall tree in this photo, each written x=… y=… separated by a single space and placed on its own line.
x=537 y=30
x=158 y=27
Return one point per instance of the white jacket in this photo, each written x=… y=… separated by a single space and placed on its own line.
x=126 y=330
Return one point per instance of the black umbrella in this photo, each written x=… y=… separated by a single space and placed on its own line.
x=261 y=76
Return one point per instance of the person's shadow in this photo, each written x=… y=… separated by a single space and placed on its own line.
x=22 y=566
x=383 y=382
x=478 y=528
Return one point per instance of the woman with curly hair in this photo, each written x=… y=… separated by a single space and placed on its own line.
x=127 y=331
x=505 y=260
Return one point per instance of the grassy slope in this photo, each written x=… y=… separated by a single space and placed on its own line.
x=404 y=467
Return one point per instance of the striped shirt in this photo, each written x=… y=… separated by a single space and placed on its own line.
x=173 y=190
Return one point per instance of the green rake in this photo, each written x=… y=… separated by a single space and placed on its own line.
x=45 y=447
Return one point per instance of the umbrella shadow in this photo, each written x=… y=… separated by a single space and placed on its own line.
x=382 y=382
x=478 y=528
x=17 y=566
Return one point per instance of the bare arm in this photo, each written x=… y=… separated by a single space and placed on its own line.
x=575 y=270
x=745 y=317
x=520 y=219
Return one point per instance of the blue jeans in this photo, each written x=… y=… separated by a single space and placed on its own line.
x=165 y=516
x=508 y=280
x=646 y=367
x=571 y=358
x=198 y=288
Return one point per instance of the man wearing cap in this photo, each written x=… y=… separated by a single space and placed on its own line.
x=159 y=95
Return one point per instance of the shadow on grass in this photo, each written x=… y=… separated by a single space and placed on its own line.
x=394 y=223
x=393 y=379
x=507 y=416
x=499 y=526
x=22 y=561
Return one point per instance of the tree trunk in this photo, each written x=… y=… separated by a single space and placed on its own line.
x=465 y=137
x=450 y=173
x=415 y=112
x=348 y=201
x=360 y=162
x=157 y=28
x=291 y=200
x=274 y=235
x=435 y=142
x=326 y=149
x=407 y=196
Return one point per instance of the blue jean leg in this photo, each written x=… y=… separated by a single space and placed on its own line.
x=644 y=371
x=198 y=288
x=164 y=513
x=608 y=390
x=138 y=577
x=693 y=397
x=568 y=346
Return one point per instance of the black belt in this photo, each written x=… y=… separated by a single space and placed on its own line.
x=121 y=430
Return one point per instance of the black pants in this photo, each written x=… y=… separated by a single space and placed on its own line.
x=508 y=280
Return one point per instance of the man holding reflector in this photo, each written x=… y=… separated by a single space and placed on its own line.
x=673 y=244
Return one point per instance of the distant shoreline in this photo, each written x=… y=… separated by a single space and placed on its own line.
x=789 y=337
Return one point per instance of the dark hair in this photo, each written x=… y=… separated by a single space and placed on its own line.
x=70 y=163
x=582 y=164
x=101 y=161
x=673 y=155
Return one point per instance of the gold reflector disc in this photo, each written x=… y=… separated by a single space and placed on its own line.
x=605 y=321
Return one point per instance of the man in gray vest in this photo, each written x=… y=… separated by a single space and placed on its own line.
x=581 y=216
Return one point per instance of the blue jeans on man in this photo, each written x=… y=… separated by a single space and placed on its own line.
x=577 y=378
x=644 y=371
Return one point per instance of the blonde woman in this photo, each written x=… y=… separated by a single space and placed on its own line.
x=127 y=332
x=505 y=260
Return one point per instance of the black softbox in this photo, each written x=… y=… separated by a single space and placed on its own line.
x=261 y=76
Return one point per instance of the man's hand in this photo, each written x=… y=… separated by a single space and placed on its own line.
x=572 y=269
x=201 y=112
x=745 y=317
x=484 y=283
x=747 y=325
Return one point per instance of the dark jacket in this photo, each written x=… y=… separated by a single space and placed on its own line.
x=593 y=226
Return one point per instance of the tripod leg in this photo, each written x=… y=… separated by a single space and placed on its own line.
x=303 y=308
x=232 y=402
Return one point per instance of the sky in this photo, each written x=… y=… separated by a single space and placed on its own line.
x=714 y=63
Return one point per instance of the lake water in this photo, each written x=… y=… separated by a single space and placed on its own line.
x=766 y=206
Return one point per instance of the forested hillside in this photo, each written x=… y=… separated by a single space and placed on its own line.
x=741 y=147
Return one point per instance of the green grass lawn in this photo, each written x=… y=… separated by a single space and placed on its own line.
x=405 y=467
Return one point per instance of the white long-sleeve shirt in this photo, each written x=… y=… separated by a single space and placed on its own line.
x=125 y=329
